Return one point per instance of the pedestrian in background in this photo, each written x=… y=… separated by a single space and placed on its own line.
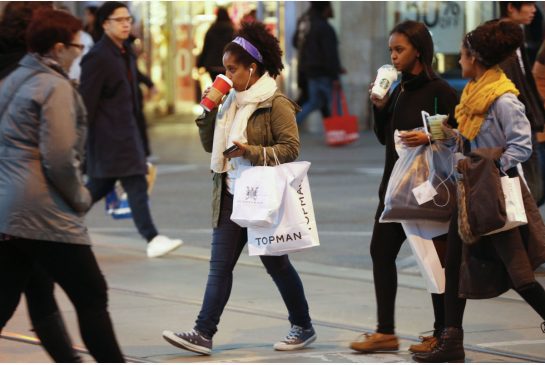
x=490 y=116
x=43 y=311
x=42 y=196
x=218 y=35
x=519 y=70
x=319 y=60
x=411 y=52
x=298 y=42
x=254 y=115
x=114 y=146
x=90 y=22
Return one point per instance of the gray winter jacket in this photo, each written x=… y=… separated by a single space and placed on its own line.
x=42 y=136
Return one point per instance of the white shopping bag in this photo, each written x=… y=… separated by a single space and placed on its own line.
x=258 y=195
x=420 y=234
x=514 y=204
x=296 y=229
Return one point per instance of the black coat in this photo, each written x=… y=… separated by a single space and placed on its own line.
x=216 y=38
x=403 y=112
x=108 y=87
x=526 y=84
x=319 y=55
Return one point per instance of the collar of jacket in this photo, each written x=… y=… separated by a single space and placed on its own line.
x=107 y=41
x=268 y=103
x=412 y=82
x=31 y=61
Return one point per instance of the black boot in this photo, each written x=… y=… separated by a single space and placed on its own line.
x=55 y=339
x=449 y=349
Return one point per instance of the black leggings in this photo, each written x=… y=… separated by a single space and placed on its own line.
x=385 y=245
x=76 y=270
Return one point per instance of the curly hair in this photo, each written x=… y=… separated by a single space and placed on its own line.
x=257 y=34
x=494 y=41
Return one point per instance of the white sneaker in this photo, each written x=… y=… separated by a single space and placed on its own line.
x=161 y=245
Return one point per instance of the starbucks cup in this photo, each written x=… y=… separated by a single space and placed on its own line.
x=386 y=76
x=219 y=88
x=435 y=122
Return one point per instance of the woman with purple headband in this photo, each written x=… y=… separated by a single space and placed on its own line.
x=255 y=114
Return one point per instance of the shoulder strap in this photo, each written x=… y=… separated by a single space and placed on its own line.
x=25 y=79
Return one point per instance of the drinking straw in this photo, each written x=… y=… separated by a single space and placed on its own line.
x=435 y=104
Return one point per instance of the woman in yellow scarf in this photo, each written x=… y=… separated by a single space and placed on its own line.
x=489 y=115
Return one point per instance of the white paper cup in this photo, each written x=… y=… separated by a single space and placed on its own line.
x=386 y=76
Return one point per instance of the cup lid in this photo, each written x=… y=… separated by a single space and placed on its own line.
x=226 y=79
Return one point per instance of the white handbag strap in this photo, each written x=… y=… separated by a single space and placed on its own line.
x=277 y=162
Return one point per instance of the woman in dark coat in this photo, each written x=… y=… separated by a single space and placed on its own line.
x=411 y=49
x=217 y=36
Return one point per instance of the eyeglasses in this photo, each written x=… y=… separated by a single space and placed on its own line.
x=121 y=20
x=76 y=45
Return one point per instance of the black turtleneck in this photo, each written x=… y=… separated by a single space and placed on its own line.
x=403 y=112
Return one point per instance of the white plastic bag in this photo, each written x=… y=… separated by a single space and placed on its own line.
x=296 y=229
x=514 y=204
x=258 y=195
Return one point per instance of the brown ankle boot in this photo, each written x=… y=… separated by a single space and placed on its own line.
x=373 y=342
x=449 y=349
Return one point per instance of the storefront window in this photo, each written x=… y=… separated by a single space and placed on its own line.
x=447 y=21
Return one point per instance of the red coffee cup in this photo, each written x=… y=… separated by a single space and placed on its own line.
x=220 y=87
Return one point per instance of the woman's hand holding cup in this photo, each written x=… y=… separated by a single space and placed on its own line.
x=377 y=102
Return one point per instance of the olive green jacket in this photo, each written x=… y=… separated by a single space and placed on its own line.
x=271 y=124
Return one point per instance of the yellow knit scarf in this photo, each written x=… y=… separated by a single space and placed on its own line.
x=477 y=98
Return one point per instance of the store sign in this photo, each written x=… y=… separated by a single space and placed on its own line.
x=445 y=19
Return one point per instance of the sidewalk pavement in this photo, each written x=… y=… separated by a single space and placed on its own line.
x=150 y=295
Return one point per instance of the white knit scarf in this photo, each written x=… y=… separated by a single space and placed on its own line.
x=233 y=116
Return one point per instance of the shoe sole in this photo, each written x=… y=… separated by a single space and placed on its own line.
x=381 y=349
x=155 y=255
x=174 y=340
x=284 y=347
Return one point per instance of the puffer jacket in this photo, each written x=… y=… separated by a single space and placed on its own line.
x=272 y=124
x=42 y=136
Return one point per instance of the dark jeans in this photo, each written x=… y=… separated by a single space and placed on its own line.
x=76 y=270
x=228 y=240
x=385 y=245
x=319 y=96
x=137 y=192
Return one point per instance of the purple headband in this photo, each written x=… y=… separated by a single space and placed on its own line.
x=248 y=47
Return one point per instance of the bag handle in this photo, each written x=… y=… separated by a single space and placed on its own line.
x=277 y=162
x=336 y=94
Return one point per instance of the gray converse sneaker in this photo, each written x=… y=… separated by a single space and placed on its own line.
x=192 y=341
x=296 y=339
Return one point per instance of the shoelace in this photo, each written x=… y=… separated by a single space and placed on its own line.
x=295 y=332
x=189 y=333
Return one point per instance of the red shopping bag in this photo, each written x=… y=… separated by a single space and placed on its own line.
x=340 y=129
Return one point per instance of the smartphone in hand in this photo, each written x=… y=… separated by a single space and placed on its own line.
x=230 y=149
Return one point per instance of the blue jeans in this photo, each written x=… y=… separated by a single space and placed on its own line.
x=228 y=240
x=319 y=95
